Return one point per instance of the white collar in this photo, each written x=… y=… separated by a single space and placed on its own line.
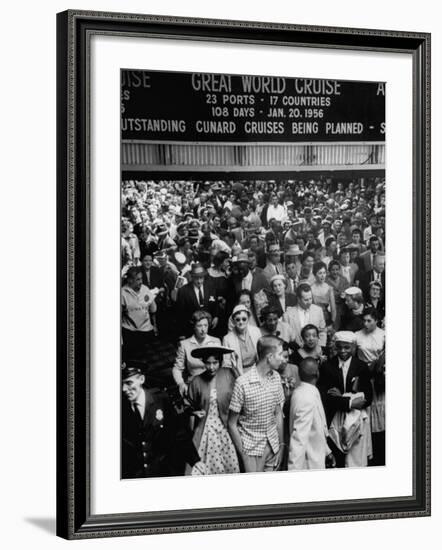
x=344 y=364
x=248 y=277
x=140 y=401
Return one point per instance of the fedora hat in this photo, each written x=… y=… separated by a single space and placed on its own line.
x=198 y=269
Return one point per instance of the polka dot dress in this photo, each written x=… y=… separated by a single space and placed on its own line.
x=216 y=447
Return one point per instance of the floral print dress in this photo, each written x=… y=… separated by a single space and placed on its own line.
x=216 y=448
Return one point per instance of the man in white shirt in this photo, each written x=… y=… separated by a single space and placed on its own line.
x=276 y=210
x=308 y=441
x=138 y=314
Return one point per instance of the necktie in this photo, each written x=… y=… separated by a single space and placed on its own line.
x=200 y=297
x=137 y=412
x=344 y=375
x=276 y=269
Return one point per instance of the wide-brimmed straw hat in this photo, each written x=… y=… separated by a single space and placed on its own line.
x=207 y=351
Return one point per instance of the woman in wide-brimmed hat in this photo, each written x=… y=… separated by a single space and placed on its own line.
x=210 y=393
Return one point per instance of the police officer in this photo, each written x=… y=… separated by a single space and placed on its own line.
x=156 y=440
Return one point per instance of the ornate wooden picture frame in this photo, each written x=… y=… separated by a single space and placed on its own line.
x=74 y=32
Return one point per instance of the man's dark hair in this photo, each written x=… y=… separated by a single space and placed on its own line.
x=132 y=272
x=303 y=287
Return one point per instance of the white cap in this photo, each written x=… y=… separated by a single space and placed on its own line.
x=238 y=308
x=345 y=336
x=277 y=277
x=353 y=291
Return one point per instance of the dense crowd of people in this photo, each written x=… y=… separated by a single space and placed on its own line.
x=273 y=296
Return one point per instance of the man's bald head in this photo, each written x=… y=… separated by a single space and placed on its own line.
x=309 y=370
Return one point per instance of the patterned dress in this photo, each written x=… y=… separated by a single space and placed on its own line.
x=216 y=448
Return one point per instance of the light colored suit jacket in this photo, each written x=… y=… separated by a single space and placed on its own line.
x=187 y=367
x=308 y=425
x=230 y=340
x=270 y=270
x=294 y=317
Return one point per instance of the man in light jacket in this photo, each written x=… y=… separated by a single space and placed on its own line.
x=308 y=442
x=305 y=313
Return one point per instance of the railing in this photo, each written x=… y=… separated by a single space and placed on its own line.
x=146 y=155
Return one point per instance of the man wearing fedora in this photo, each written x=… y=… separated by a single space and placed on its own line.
x=199 y=293
x=292 y=266
x=154 y=438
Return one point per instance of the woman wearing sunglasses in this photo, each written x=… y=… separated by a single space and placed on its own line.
x=243 y=339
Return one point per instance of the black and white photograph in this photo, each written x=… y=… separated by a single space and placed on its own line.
x=253 y=257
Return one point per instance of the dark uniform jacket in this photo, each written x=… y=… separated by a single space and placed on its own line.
x=154 y=446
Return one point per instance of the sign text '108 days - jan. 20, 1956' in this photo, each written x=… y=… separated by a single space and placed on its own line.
x=208 y=107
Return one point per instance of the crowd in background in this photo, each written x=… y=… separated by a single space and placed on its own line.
x=232 y=265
